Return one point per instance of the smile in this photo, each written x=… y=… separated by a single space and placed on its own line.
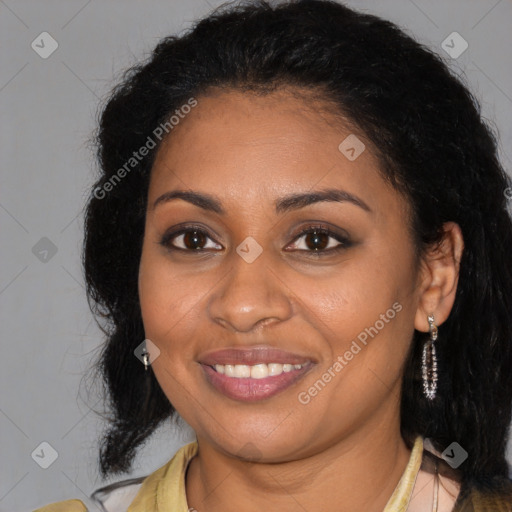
x=258 y=371
x=257 y=382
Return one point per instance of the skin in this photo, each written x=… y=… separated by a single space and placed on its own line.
x=343 y=450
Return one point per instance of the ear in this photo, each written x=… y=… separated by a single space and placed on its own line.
x=439 y=277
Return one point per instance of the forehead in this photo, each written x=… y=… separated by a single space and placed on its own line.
x=238 y=144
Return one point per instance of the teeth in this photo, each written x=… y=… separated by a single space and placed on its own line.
x=242 y=371
x=275 y=369
x=258 y=371
x=229 y=370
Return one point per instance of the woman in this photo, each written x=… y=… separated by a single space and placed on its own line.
x=301 y=231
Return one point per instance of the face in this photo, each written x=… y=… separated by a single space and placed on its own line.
x=330 y=282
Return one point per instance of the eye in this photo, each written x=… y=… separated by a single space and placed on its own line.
x=317 y=239
x=189 y=239
x=320 y=239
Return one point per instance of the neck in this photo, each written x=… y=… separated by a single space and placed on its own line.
x=357 y=472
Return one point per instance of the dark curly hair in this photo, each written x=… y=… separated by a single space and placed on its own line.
x=433 y=148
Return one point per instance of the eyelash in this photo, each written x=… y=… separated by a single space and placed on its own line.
x=344 y=242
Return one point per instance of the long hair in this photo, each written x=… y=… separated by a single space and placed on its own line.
x=433 y=148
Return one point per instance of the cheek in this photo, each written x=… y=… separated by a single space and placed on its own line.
x=365 y=313
x=163 y=300
x=152 y=294
x=163 y=296
x=352 y=297
x=166 y=306
x=171 y=304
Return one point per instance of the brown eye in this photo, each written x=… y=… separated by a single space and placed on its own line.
x=189 y=240
x=320 y=240
x=316 y=241
x=194 y=240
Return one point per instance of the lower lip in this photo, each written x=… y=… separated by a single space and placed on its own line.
x=252 y=390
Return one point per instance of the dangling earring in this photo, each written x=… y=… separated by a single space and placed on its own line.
x=145 y=358
x=429 y=362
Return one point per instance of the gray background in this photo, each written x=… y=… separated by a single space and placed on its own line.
x=48 y=109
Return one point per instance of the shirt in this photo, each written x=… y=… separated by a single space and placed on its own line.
x=164 y=489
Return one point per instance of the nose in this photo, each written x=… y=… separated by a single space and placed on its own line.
x=252 y=294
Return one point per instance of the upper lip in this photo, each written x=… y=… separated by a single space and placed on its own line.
x=251 y=355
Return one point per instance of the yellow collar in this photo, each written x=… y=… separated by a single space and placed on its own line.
x=401 y=496
x=164 y=490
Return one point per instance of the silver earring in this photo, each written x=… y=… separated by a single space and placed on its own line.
x=429 y=362
x=145 y=359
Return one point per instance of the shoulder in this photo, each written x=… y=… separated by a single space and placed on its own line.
x=495 y=498
x=135 y=493
x=111 y=498
x=64 y=506
x=119 y=496
x=491 y=494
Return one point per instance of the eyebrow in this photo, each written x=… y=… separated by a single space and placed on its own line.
x=282 y=205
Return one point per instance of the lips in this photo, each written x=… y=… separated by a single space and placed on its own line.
x=252 y=356
x=249 y=389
